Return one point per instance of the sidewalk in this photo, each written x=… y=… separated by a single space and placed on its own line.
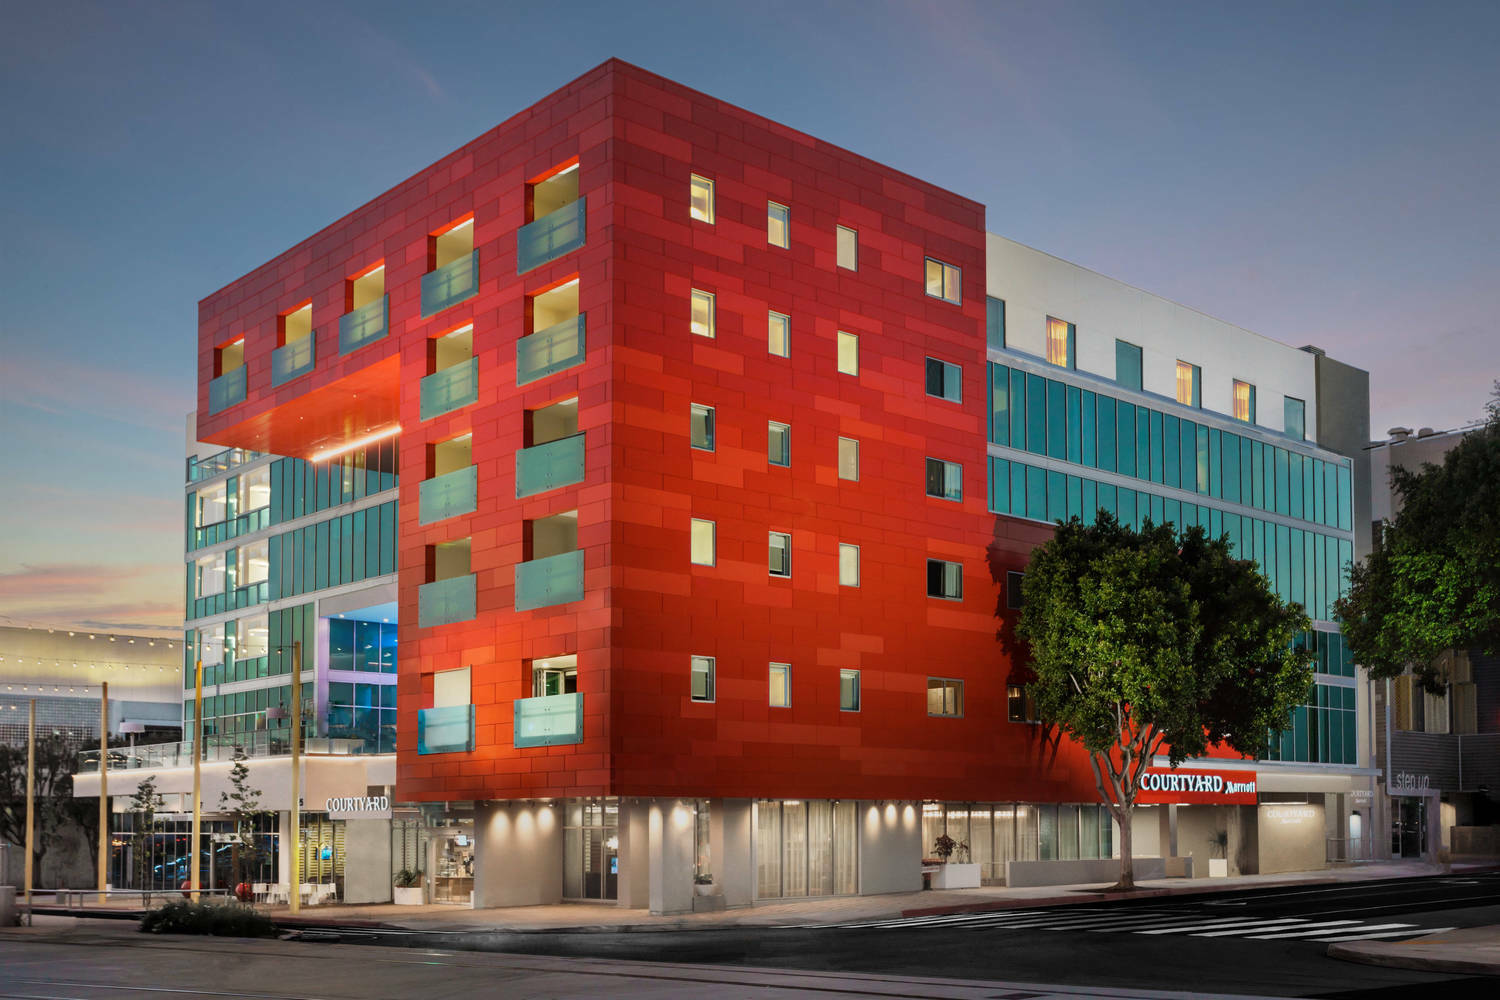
x=1470 y=951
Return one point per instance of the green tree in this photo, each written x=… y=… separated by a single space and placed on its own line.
x=242 y=803
x=145 y=803
x=55 y=809
x=1433 y=582
x=1147 y=642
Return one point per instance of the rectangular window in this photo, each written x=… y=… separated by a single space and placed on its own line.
x=848 y=690
x=779 y=334
x=703 y=313
x=848 y=353
x=701 y=199
x=778 y=225
x=945 y=579
x=780 y=562
x=1061 y=340
x=1020 y=706
x=1189 y=384
x=848 y=565
x=701 y=680
x=848 y=248
x=945 y=697
x=704 y=546
x=994 y=323
x=781 y=685
x=701 y=423
x=943 y=281
x=944 y=380
x=1127 y=365
x=778 y=443
x=1244 y=401
x=1013 y=585
x=848 y=459
x=945 y=479
x=1296 y=419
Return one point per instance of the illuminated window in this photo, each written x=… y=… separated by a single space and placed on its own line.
x=1020 y=705
x=702 y=678
x=778 y=225
x=781 y=685
x=848 y=248
x=945 y=579
x=848 y=690
x=848 y=565
x=780 y=553
x=701 y=422
x=703 y=548
x=1189 y=384
x=848 y=353
x=1244 y=401
x=943 y=281
x=848 y=459
x=703 y=313
x=779 y=334
x=778 y=443
x=1061 y=341
x=945 y=697
x=701 y=195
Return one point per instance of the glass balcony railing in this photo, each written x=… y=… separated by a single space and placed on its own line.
x=222 y=461
x=243 y=524
x=218 y=747
x=551 y=236
x=542 y=583
x=450 y=284
x=549 y=721
x=364 y=325
x=449 y=729
x=448 y=495
x=226 y=390
x=547 y=466
x=444 y=602
x=551 y=350
x=291 y=360
x=450 y=389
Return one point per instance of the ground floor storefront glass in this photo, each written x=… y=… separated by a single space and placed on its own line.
x=991 y=833
x=158 y=858
x=805 y=848
x=591 y=849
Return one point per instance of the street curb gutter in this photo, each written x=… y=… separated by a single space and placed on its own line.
x=1419 y=963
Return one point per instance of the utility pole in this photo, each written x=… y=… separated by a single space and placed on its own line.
x=30 y=798
x=294 y=898
x=193 y=847
x=103 y=790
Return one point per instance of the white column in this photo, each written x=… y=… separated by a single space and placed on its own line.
x=634 y=886
x=670 y=832
x=734 y=858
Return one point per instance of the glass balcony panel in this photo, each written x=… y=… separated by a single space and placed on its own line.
x=551 y=236
x=548 y=466
x=445 y=730
x=542 y=583
x=450 y=389
x=450 y=284
x=549 y=721
x=364 y=325
x=226 y=390
x=446 y=601
x=551 y=350
x=291 y=360
x=449 y=495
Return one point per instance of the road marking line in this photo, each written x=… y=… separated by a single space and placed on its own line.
x=1285 y=923
x=1210 y=924
x=1410 y=931
x=1326 y=927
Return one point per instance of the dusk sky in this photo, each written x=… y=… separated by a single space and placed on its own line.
x=1317 y=172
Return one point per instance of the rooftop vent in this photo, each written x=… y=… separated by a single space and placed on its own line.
x=1399 y=433
x=1426 y=432
x=1313 y=349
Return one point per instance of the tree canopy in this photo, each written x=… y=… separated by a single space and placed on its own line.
x=1433 y=582
x=1151 y=641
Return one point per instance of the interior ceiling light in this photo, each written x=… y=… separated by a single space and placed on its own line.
x=379 y=435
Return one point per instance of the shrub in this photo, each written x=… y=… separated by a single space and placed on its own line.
x=219 y=919
x=407 y=878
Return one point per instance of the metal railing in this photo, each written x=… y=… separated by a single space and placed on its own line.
x=218 y=747
x=218 y=462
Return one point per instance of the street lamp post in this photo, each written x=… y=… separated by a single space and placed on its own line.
x=103 y=790
x=30 y=797
x=294 y=897
x=193 y=873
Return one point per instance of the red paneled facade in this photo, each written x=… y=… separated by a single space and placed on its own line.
x=646 y=609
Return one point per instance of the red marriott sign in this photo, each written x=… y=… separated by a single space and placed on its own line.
x=1164 y=786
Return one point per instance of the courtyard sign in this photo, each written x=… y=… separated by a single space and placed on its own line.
x=1165 y=786
x=358 y=807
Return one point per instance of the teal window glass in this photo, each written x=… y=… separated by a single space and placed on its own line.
x=1018 y=489
x=1106 y=440
x=999 y=486
x=1247 y=475
x=1126 y=502
x=1294 y=483
x=1142 y=442
x=1258 y=475
x=1188 y=455
x=1036 y=493
x=1283 y=482
x=1090 y=501
x=1036 y=414
x=1057 y=437
x=994 y=322
x=1298 y=592
x=1018 y=409
x=1155 y=447
x=1171 y=442
x=1215 y=459
x=1283 y=562
x=1172 y=512
x=1202 y=463
x=1057 y=496
x=1075 y=497
x=1345 y=513
x=1086 y=429
x=1127 y=364
x=1295 y=418
x=1074 y=407
x=999 y=404
x=1108 y=499
x=1125 y=438
x=1215 y=522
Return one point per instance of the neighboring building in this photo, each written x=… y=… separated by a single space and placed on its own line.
x=713 y=480
x=1442 y=760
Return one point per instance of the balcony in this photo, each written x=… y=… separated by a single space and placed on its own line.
x=218 y=747
x=244 y=524
x=551 y=236
x=450 y=284
x=550 y=721
x=548 y=466
x=450 y=388
x=226 y=390
x=291 y=360
x=444 y=602
x=448 y=495
x=551 y=350
x=542 y=583
x=223 y=461
x=445 y=730
x=364 y=325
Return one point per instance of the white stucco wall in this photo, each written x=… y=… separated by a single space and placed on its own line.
x=890 y=847
x=518 y=854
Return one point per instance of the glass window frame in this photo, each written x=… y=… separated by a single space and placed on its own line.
x=957 y=690
x=774 y=428
x=785 y=320
x=776 y=212
x=843 y=235
x=710 y=683
x=851 y=675
x=696 y=296
x=1132 y=358
x=707 y=412
x=846 y=547
x=785 y=670
x=948 y=281
x=944 y=577
x=713 y=541
x=949 y=477
x=785 y=537
x=950 y=378
x=697 y=183
x=854 y=453
x=842 y=340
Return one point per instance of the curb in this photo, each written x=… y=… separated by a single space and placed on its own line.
x=1418 y=963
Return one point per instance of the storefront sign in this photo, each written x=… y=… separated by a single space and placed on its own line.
x=1406 y=783
x=359 y=807
x=1289 y=815
x=1164 y=786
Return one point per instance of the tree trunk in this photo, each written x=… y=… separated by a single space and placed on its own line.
x=1127 y=869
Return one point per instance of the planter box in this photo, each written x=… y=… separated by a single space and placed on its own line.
x=409 y=896
x=1218 y=867
x=955 y=876
x=705 y=890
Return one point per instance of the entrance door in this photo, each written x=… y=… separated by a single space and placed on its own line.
x=1409 y=826
x=591 y=849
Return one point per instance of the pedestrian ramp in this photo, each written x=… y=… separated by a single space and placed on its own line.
x=1155 y=922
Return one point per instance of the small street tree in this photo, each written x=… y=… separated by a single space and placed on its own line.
x=242 y=803
x=145 y=803
x=1143 y=642
x=55 y=807
x=1433 y=582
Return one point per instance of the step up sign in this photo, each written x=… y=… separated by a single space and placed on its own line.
x=1185 y=786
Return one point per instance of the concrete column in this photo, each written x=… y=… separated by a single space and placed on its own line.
x=518 y=854
x=890 y=847
x=733 y=850
x=284 y=848
x=670 y=832
x=634 y=886
x=367 y=861
x=1166 y=818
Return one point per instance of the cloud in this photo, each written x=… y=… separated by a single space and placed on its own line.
x=97 y=595
x=64 y=386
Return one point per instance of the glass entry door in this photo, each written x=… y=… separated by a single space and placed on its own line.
x=591 y=849
x=1409 y=826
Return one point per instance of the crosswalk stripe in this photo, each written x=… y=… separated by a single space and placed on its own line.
x=1326 y=927
x=1284 y=923
x=1411 y=931
x=1163 y=923
x=1080 y=923
x=940 y=920
x=1204 y=925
